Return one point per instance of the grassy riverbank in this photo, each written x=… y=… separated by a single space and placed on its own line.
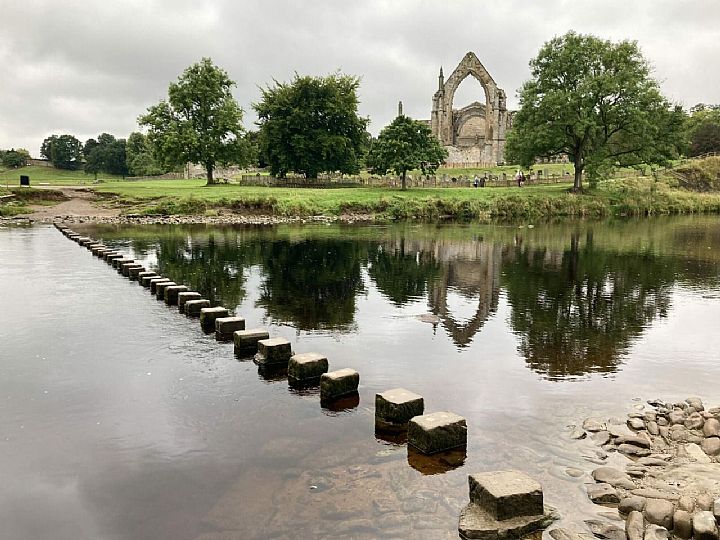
x=636 y=196
x=51 y=176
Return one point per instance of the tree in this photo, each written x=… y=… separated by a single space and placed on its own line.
x=311 y=125
x=107 y=155
x=15 y=158
x=594 y=101
x=406 y=144
x=703 y=127
x=200 y=123
x=63 y=151
x=139 y=157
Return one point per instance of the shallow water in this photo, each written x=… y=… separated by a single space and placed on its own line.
x=122 y=420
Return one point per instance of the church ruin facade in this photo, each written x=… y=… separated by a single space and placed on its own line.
x=475 y=134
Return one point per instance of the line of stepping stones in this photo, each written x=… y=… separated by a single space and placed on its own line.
x=502 y=503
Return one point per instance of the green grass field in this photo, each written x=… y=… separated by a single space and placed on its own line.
x=50 y=176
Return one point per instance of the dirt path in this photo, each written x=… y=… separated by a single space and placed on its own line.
x=82 y=203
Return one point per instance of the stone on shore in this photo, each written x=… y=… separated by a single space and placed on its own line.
x=225 y=327
x=635 y=526
x=307 y=367
x=397 y=406
x=602 y=494
x=656 y=532
x=696 y=453
x=632 y=450
x=208 y=316
x=246 y=341
x=160 y=288
x=614 y=477
x=438 y=431
x=604 y=530
x=193 y=307
x=704 y=526
x=506 y=494
x=634 y=440
x=593 y=424
x=335 y=384
x=632 y=504
x=711 y=446
x=711 y=428
x=660 y=512
x=273 y=351
x=682 y=524
x=704 y=502
x=172 y=292
x=476 y=523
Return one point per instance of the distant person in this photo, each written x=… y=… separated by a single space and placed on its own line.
x=519 y=177
x=476 y=182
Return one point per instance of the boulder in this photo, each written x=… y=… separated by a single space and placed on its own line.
x=172 y=292
x=660 y=512
x=704 y=526
x=686 y=503
x=656 y=532
x=695 y=453
x=677 y=416
x=696 y=403
x=506 y=494
x=186 y=296
x=192 y=308
x=602 y=494
x=614 y=477
x=600 y=437
x=578 y=434
x=593 y=424
x=604 y=530
x=653 y=428
x=682 y=524
x=694 y=421
x=632 y=450
x=711 y=446
x=632 y=504
x=635 y=526
x=634 y=440
x=435 y=432
x=711 y=428
x=160 y=288
x=476 y=522
x=636 y=423
x=704 y=502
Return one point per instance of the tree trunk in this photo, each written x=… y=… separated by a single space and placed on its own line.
x=404 y=187
x=209 y=170
x=577 y=185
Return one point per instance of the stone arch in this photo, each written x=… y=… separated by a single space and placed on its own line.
x=474 y=113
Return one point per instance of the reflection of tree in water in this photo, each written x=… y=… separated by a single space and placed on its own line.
x=312 y=283
x=578 y=311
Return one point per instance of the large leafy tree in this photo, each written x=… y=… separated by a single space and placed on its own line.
x=15 y=158
x=106 y=154
x=201 y=122
x=403 y=145
x=63 y=151
x=703 y=128
x=139 y=157
x=311 y=125
x=594 y=101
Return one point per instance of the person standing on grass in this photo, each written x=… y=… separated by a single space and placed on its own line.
x=519 y=177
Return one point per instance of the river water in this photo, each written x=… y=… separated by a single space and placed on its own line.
x=122 y=420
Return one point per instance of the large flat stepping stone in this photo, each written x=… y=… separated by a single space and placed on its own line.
x=225 y=327
x=477 y=523
x=172 y=292
x=506 y=494
x=193 y=307
x=127 y=267
x=438 y=431
x=154 y=283
x=273 y=351
x=112 y=255
x=307 y=367
x=208 y=316
x=160 y=288
x=133 y=273
x=145 y=274
x=338 y=383
x=245 y=341
x=117 y=263
x=396 y=407
x=184 y=297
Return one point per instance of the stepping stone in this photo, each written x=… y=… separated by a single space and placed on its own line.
x=145 y=280
x=476 y=522
x=307 y=367
x=121 y=266
x=193 y=307
x=127 y=267
x=338 y=383
x=117 y=263
x=154 y=282
x=397 y=406
x=246 y=341
x=273 y=351
x=133 y=272
x=146 y=273
x=160 y=288
x=506 y=494
x=92 y=246
x=208 y=316
x=112 y=255
x=225 y=327
x=96 y=249
x=435 y=432
x=184 y=297
x=171 y=294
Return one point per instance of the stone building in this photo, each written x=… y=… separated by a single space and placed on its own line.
x=476 y=133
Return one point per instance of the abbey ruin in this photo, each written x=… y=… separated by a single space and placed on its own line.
x=475 y=134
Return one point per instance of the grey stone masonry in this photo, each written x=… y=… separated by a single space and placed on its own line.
x=307 y=366
x=171 y=294
x=246 y=341
x=438 y=431
x=338 y=383
x=193 y=307
x=208 y=316
x=225 y=327
x=273 y=351
x=398 y=406
x=126 y=268
x=184 y=297
x=133 y=273
x=160 y=289
x=154 y=283
x=506 y=494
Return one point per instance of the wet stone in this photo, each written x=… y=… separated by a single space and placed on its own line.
x=437 y=431
x=110 y=255
x=506 y=494
x=153 y=282
x=636 y=423
x=184 y=297
x=593 y=424
x=160 y=288
x=602 y=494
x=192 y=307
x=704 y=526
x=604 y=530
x=273 y=351
x=135 y=271
x=127 y=267
x=117 y=263
x=476 y=523
x=307 y=366
x=694 y=421
x=337 y=383
x=225 y=327
x=578 y=434
x=245 y=341
x=208 y=316
x=634 y=440
x=398 y=406
x=172 y=292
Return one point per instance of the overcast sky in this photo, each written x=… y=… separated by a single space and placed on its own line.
x=86 y=67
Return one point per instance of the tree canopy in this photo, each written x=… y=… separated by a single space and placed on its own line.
x=594 y=101
x=106 y=154
x=311 y=125
x=63 y=151
x=703 y=127
x=139 y=157
x=201 y=122
x=14 y=158
x=403 y=145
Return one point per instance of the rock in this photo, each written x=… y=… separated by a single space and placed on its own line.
x=636 y=471
x=711 y=446
x=614 y=477
x=209 y=315
x=476 y=522
x=605 y=530
x=593 y=424
x=679 y=433
x=652 y=427
x=577 y=434
x=652 y=462
x=636 y=423
x=704 y=502
x=716 y=508
x=696 y=403
x=435 y=432
x=695 y=453
x=193 y=307
x=160 y=288
x=632 y=450
x=711 y=428
x=635 y=526
x=686 y=503
x=245 y=341
x=632 y=503
x=601 y=437
x=506 y=494
x=567 y=534
x=602 y=494
x=651 y=493
x=664 y=432
x=225 y=327
x=573 y=472
x=650 y=416
x=154 y=281
x=662 y=421
x=660 y=512
x=398 y=406
x=694 y=421
x=704 y=526
x=677 y=416
x=172 y=292
x=682 y=524
x=619 y=431
x=338 y=383
x=273 y=351
x=307 y=367
x=634 y=440
x=656 y=532
x=186 y=296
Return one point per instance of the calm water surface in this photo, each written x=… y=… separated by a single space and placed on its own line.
x=121 y=420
